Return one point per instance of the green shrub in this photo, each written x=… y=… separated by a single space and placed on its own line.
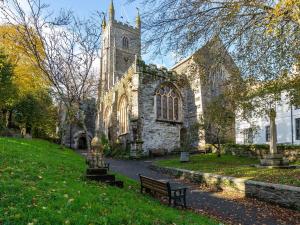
x=259 y=146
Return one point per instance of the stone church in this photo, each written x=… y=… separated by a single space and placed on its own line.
x=148 y=109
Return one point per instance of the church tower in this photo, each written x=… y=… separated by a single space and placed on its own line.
x=121 y=43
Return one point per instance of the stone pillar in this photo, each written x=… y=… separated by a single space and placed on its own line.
x=273 y=159
x=273 y=132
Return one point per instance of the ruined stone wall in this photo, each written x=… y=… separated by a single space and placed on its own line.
x=73 y=132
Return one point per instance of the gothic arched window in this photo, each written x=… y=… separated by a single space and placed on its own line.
x=217 y=77
x=167 y=103
x=106 y=119
x=123 y=115
x=125 y=42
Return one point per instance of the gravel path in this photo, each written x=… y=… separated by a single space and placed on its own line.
x=244 y=212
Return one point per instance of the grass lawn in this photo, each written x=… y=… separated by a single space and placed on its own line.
x=236 y=167
x=43 y=184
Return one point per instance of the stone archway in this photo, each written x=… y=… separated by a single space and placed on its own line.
x=80 y=141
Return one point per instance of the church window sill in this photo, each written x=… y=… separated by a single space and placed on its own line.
x=168 y=121
x=123 y=134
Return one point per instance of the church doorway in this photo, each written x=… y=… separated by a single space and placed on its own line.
x=82 y=143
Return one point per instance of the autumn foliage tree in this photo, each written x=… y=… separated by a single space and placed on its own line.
x=27 y=76
x=63 y=47
x=263 y=38
x=7 y=88
x=28 y=105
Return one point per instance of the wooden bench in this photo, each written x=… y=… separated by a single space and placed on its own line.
x=162 y=188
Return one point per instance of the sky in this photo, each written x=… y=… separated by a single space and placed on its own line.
x=124 y=12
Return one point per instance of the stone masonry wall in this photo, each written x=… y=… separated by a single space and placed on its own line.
x=259 y=151
x=283 y=195
x=110 y=101
x=158 y=136
x=72 y=132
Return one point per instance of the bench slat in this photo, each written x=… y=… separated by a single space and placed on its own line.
x=160 y=187
x=163 y=188
x=151 y=180
x=162 y=191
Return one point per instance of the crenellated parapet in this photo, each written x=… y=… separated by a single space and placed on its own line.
x=125 y=26
x=122 y=84
x=156 y=71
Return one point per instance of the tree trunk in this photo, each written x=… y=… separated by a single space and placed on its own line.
x=3 y=117
x=219 y=148
x=62 y=132
x=273 y=132
x=9 y=119
x=88 y=144
x=219 y=143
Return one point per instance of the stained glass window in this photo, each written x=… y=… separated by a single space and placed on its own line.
x=123 y=115
x=176 y=106
x=165 y=107
x=158 y=106
x=170 y=108
x=167 y=103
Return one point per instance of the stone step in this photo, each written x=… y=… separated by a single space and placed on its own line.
x=103 y=178
x=116 y=183
x=96 y=171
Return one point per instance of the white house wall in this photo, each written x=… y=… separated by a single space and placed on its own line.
x=284 y=120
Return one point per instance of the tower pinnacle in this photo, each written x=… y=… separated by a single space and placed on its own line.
x=138 y=19
x=111 y=11
x=104 y=23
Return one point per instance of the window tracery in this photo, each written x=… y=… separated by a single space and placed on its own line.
x=167 y=104
x=106 y=119
x=123 y=115
x=125 y=42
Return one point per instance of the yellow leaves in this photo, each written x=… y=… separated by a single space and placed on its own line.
x=27 y=76
x=288 y=8
x=283 y=13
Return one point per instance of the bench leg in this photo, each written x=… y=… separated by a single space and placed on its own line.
x=170 y=201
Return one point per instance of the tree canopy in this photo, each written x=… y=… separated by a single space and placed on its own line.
x=262 y=36
x=7 y=88
x=27 y=76
x=25 y=100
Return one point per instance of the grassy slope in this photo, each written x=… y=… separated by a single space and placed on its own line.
x=237 y=167
x=43 y=184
